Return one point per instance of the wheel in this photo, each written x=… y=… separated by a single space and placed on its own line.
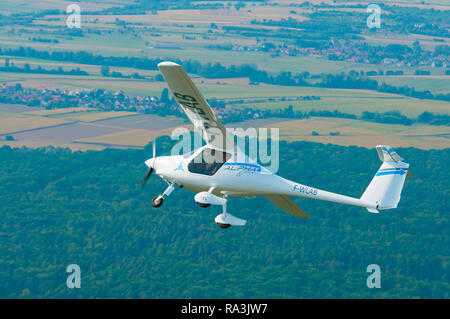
x=203 y=205
x=223 y=225
x=157 y=202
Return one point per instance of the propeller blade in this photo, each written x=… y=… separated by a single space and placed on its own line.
x=146 y=178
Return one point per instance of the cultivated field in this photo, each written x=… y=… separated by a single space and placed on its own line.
x=31 y=5
x=344 y=100
x=56 y=112
x=186 y=34
x=432 y=83
x=130 y=138
x=366 y=134
x=91 y=116
x=357 y=104
x=82 y=129
x=17 y=124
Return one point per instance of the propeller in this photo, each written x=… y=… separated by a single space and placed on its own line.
x=146 y=177
x=150 y=170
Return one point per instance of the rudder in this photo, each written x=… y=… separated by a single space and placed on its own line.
x=385 y=188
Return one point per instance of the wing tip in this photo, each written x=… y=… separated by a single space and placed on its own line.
x=168 y=64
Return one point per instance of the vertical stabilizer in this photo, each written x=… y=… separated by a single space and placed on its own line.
x=385 y=188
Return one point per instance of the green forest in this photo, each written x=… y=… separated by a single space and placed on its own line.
x=60 y=207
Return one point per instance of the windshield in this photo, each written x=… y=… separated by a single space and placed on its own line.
x=208 y=162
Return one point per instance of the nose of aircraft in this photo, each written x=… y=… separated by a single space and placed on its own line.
x=159 y=162
x=163 y=163
x=150 y=162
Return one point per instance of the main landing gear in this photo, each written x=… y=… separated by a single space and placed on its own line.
x=159 y=199
x=226 y=220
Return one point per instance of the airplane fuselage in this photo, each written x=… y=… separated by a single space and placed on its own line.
x=238 y=177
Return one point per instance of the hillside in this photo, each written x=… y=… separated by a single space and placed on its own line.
x=60 y=207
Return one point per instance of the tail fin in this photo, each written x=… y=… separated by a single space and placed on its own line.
x=385 y=188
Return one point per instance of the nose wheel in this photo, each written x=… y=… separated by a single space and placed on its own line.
x=157 y=201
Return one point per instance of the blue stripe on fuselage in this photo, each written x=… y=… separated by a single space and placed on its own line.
x=399 y=172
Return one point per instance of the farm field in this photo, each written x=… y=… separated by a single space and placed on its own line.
x=130 y=138
x=427 y=41
x=359 y=103
x=55 y=112
x=186 y=34
x=77 y=128
x=108 y=46
x=188 y=31
x=30 y=5
x=366 y=134
x=343 y=100
x=93 y=70
x=21 y=123
x=86 y=129
x=10 y=109
x=140 y=137
x=297 y=64
x=434 y=84
x=90 y=116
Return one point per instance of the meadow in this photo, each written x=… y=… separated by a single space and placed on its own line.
x=365 y=134
x=434 y=84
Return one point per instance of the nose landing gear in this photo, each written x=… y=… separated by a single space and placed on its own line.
x=158 y=200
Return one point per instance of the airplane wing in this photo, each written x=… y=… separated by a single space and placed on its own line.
x=286 y=204
x=195 y=106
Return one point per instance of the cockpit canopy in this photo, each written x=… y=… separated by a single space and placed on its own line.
x=208 y=161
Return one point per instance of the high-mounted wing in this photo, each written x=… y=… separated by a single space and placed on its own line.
x=286 y=204
x=195 y=106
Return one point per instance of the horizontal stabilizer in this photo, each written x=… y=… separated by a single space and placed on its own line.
x=409 y=175
x=286 y=204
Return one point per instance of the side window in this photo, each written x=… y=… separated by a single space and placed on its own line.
x=208 y=161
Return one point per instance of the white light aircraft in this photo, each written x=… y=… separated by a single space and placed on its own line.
x=218 y=171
